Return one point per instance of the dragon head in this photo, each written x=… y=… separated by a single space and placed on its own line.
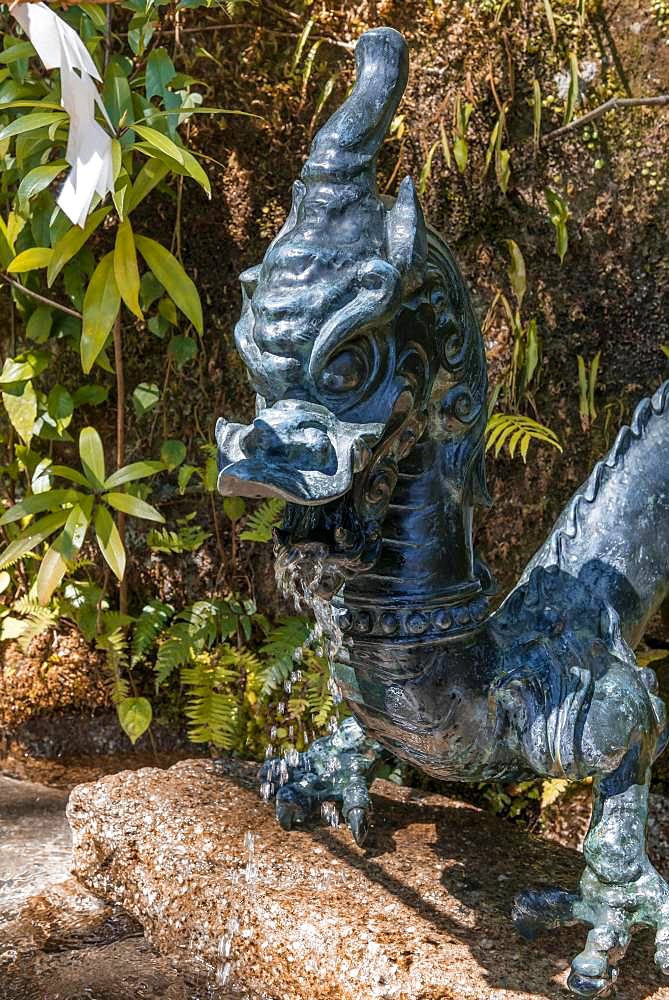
x=345 y=325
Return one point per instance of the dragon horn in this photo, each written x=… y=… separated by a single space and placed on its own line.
x=346 y=147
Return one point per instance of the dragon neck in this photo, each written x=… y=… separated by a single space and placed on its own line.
x=424 y=582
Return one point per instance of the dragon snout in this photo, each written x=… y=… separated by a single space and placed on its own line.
x=296 y=450
x=306 y=447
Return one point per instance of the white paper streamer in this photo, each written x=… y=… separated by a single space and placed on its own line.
x=89 y=150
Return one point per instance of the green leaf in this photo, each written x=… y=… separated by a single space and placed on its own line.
x=234 y=508
x=131 y=473
x=60 y=406
x=51 y=571
x=126 y=272
x=19 y=50
x=461 y=153
x=101 y=305
x=30 y=260
x=92 y=456
x=145 y=397
x=90 y=395
x=28 y=123
x=38 y=179
x=26 y=365
x=573 y=92
x=160 y=72
x=551 y=21
x=64 y=472
x=536 y=113
x=36 y=503
x=182 y=349
x=109 y=541
x=71 y=243
x=32 y=536
x=21 y=407
x=173 y=278
x=149 y=176
x=134 y=716
x=517 y=273
x=173 y=453
x=39 y=325
x=160 y=142
x=133 y=506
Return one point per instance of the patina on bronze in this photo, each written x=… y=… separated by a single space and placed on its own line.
x=368 y=363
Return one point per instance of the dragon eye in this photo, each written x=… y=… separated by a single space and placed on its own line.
x=345 y=371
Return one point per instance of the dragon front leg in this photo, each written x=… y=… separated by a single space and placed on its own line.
x=337 y=768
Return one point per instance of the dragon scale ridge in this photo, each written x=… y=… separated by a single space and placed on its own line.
x=369 y=367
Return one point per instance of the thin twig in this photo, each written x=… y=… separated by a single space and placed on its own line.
x=613 y=104
x=40 y=298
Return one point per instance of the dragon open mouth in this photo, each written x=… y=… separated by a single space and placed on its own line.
x=296 y=450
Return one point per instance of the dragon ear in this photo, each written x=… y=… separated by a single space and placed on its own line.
x=406 y=236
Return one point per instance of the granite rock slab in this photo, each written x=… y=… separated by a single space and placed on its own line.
x=422 y=913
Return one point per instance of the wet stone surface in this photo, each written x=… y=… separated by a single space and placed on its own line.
x=420 y=914
x=57 y=940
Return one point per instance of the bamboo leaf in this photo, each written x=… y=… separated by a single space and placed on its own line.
x=536 y=113
x=36 y=503
x=38 y=179
x=28 y=123
x=131 y=473
x=173 y=278
x=551 y=21
x=109 y=541
x=517 y=273
x=149 y=177
x=573 y=91
x=101 y=305
x=32 y=536
x=126 y=272
x=51 y=571
x=30 y=260
x=160 y=142
x=72 y=242
x=133 y=506
x=92 y=456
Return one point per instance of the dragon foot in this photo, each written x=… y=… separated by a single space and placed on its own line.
x=336 y=769
x=611 y=911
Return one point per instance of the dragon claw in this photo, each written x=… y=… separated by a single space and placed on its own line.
x=358 y=822
x=590 y=986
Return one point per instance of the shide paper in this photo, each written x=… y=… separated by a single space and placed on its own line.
x=89 y=149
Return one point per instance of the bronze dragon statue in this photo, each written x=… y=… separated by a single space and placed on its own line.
x=369 y=368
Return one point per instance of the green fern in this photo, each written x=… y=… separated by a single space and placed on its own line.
x=290 y=634
x=115 y=645
x=194 y=629
x=153 y=620
x=262 y=522
x=516 y=431
x=34 y=620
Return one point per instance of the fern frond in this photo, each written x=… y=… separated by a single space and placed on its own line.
x=152 y=621
x=261 y=523
x=288 y=635
x=115 y=646
x=516 y=431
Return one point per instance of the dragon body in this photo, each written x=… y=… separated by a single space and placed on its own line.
x=368 y=363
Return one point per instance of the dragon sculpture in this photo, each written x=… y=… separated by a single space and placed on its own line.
x=369 y=368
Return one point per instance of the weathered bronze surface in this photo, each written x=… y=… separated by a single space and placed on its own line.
x=368 y=363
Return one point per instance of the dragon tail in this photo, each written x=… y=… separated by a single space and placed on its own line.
x=613 y=535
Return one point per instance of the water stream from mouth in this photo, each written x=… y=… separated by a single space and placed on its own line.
x=299 y=574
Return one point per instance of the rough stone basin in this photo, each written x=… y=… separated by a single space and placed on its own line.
x=420 y=915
